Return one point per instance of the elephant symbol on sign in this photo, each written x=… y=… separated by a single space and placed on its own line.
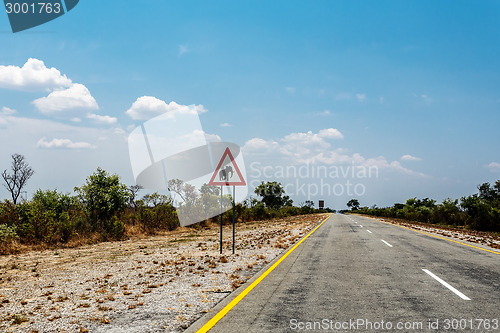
x=224 y=173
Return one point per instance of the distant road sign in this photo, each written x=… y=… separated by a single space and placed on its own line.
x=321 y=204
x=227 y=172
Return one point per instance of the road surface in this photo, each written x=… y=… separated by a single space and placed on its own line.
x=361 y=275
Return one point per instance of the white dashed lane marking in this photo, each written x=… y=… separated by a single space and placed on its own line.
x=444 y=283
x=386 y=243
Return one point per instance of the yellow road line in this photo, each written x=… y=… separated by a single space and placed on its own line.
x=238 y=298
x=428 y=234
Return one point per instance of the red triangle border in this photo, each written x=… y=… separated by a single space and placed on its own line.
x=212 y=181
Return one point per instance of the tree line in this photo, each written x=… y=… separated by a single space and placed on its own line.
x=104 y=208
x=479 y=211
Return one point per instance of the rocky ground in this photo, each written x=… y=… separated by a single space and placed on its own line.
x=489 y=239
x=159 y=283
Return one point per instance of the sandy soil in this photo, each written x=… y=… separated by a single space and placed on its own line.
x=159 y=283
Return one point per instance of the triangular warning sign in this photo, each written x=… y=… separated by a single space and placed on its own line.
x=224 y=174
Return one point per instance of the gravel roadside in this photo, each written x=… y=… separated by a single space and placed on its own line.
x=156 y=284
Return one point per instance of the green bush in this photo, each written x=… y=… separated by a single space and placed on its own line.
x=104 y=199
x=160 y=217
x=101 y=207
x=8 y=213
x=8 y=238
x=7 y=234
x=449 y=213
x=480 y=211
x=51 y=217
x=259 y=211
x=115 y=229
x=290 y=211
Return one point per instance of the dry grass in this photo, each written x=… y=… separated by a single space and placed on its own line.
x=223 y=260
x=18 y=319
x=85 y=283
x=83 y=305
x=11 y=247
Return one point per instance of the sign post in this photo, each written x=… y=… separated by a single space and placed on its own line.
x=234 y=223
x=228 y=174
x=221 y=219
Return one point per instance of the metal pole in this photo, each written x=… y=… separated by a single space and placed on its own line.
x=221 y=219
x=233 y=217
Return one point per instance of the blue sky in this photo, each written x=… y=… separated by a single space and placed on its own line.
x=418 y=79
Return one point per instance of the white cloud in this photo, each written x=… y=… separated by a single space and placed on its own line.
x=361 y=97
x=301 y=144
x=310 y=138
x=382 y=163
x=6 y=114
x=183 y=49
x=426 y=99
x=225 y=125
x=309 y=147
x=324 y=113
x=147 y=107
x=298 y=147
x=102 y=119
x=330 y=133
x=33 y=76
x=62 y=144
x=7 y=111
x=410 y=158
x=333 y=157
x=66 y=99
x=212 y=137
x=75 y=97
x=301 y=147
x=290 y=90
x=494 y=167
x=119 y=131
x=258 y=145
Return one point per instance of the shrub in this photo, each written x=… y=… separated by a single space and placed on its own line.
x=7 y=234
x=289 y=211
x=478 y=211
x=259 y=211
x=8 y=213
x=104 y=198
x=8 y=237
x=160 y=217
x=51 y=217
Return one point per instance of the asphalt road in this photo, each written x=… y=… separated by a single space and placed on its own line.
x=357 y=274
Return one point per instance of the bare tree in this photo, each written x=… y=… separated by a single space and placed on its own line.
x=15 y=181
x=187 y=192
x=175 y=186
x=190 y=194
x=134 y=189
